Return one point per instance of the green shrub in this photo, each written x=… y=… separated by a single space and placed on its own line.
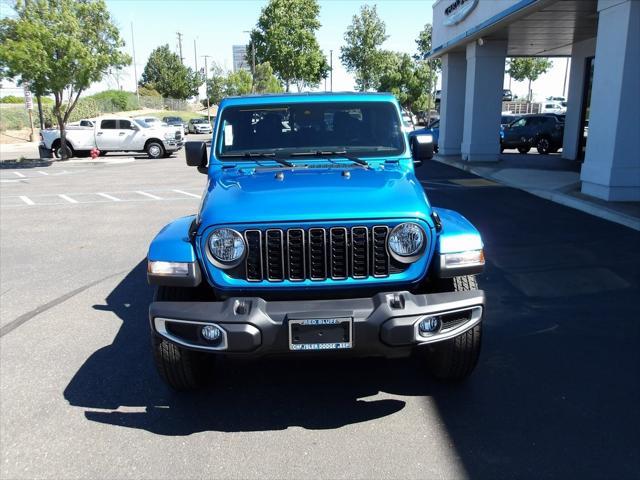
x=148 y=92
x=12 y=99
x=14 y=119
x=111 y=101
x=85 y=108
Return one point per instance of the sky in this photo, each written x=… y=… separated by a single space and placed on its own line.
x=217 y=25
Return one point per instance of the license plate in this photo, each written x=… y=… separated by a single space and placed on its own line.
x=320 y=334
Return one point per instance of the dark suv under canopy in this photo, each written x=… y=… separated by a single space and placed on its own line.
x=542 y=131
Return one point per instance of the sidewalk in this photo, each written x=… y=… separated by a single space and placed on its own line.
x=552 y=178
x=16 y=151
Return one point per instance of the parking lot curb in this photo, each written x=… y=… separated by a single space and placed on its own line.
x=561 y=196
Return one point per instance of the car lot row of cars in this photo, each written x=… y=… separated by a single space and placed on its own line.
x=543 y=131
x=157 y=138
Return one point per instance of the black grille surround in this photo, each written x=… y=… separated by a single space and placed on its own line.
x=315 y=253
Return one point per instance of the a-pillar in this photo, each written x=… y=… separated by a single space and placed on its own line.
x=611 y=169
x=483 y=100
x=454 y=70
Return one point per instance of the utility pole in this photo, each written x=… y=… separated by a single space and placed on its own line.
x=206 y=85
x=331 y=70
x=180 y=46
x=135 y=70
x=195 y=57
x=564 y=85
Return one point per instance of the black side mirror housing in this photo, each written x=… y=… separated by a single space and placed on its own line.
x=421 y=148
x=196 y=153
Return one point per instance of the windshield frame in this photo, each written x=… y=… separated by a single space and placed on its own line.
x=378 y=152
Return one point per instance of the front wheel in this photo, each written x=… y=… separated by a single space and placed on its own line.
x=155 y=150
x=58 y=151
x=180 y=368
x=543 y=146
x=455 y=359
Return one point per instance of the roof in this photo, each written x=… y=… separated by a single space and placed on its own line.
x=272 y=98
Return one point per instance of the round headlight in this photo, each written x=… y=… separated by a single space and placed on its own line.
x=406 y=240
x=226 y=245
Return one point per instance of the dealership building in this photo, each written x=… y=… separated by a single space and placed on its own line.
x=473 y=38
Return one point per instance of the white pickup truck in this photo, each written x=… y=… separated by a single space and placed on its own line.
x=113 y=134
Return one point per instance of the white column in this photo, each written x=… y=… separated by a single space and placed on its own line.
x=454 y=69
x=611 y=170
x=572 y=126
x=483 y=100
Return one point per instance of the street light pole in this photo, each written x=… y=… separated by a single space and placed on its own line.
x=135 y=70
x=206 y=85
x=331 y=70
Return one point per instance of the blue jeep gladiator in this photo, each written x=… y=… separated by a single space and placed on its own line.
x=314 y=237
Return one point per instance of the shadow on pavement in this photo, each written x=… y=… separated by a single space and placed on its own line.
x=118 y=384
x=557 y=390
x=25 y=163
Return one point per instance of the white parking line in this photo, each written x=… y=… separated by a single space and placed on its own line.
x=18 y=174
x=109 y=197
x=27 y=200
x=67 y=198
x=187 y=193
x=42 y=173
x=150 y=195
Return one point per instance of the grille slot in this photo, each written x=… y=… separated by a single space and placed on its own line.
x=359 y=252
x=275 y=254
x=295 y=254
x=339 y=253
x=317 y=254
x=380 y=260
x=298 y=254
x=254 y=255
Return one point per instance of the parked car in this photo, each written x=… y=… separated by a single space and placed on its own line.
x=408 y=120
x=553 y=107
x=506 y=119
x=542 y=131
x=156 y=122
x=314 y=236
x=199 y=125
x=507 y=96
x=176 y=122
x=112 y=134
x=433 y=129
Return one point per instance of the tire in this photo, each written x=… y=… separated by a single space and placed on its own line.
x=455 y=359
x=543 y=145
x=57 y=151
x=154 y=149
x=524 y=150
x=180 y=368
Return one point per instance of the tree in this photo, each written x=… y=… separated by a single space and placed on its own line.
x=165 y=73
x=264 y=81
x=285 y=36
x=60 y=47
x=362 y=54
x=528 y=68
x=238 y=83
x=409 y=80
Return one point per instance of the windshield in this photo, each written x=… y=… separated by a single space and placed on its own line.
x=198 y=120
x=141 y=123
x=363 y=128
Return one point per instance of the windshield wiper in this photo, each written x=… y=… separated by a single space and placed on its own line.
x=269 y=155
x=336 y=153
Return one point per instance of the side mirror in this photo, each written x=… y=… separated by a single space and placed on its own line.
x=421 y=148
x=196 y=153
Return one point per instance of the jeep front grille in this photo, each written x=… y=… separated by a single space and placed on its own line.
x=298 y=254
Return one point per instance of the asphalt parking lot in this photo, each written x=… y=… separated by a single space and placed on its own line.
x=555 y=394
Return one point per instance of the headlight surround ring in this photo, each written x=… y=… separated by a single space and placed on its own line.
x=414 y=239
x=226 y=247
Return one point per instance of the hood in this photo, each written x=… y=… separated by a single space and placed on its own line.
x=308 y=194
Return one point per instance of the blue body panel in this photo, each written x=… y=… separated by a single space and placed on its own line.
x=458 y=234
x=315 y=192
x=413 y=274
x=172 y=243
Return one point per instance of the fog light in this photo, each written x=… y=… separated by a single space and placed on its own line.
x=211 y=333
x=429 y=325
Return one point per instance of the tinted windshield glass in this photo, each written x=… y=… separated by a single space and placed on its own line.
x=141 y=123
x=365 y=128
x=198 y=120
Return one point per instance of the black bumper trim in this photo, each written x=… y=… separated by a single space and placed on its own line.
x=379 y=322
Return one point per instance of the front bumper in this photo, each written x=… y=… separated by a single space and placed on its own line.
x=385 y=324
x=173 y=145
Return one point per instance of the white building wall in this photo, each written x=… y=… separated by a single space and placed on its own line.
x=611 y=170
x=572 y=127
